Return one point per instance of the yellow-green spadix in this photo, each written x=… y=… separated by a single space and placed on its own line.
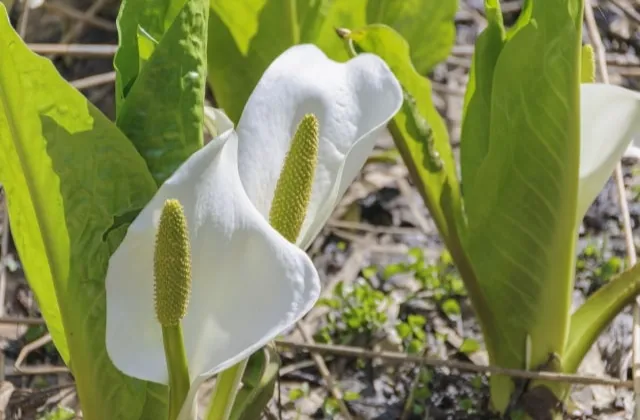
x=249 y=283
x=172 y=265
x=293 y=189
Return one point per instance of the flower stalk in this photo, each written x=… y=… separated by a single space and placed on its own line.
x=172 y=287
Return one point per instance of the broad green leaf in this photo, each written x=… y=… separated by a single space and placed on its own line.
x=596 y=313
x=152 y=17
x=163 y=111
x=521 y=201
x=232 y=73
x=73 y=181
x=427 y=25
x=422 y=139
x=246 y=36
x=320 y=23
x=241 y=18
x=477 y=109
x=33 y=214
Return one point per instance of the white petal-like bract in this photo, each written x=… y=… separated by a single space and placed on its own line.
x=353 y=102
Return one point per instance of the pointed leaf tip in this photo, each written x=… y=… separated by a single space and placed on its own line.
x=172 y=265
x=293 y=189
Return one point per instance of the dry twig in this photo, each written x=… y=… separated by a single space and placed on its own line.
x=77 y=29
x=38 y=370
x=76 y=50
x=4 y=252
x=324 y=371
x=95 y=80
x=396 y=357
x=63 y=9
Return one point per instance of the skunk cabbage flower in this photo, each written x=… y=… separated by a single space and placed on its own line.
x=249 y=283
x=610 y=120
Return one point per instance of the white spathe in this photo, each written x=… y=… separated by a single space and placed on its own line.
x=610 y=120
x=353 y=103
x=248 y=283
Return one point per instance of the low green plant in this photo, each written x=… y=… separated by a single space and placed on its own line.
x=412 y=333
x=355 y=310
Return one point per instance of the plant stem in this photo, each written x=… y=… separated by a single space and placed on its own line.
x=177 y=366
x=225 y=390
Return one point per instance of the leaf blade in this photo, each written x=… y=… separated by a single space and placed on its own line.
x=66 y=153
x=431 y=32
x=163 y=111
x=521 y=204
x=596 y=313
x=151 y=16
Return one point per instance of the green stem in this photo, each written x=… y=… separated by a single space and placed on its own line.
x=178 y=368
x=224 y=393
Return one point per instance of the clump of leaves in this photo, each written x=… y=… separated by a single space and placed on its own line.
x=59 y=413
x=438 y=280
x=598 y=266
x=421 y=393
x=356 y=309
x=412 y=334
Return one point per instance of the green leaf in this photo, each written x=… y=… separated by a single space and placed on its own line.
x=331 y=406
x=416 y=320
x=394 y=269
x=427 y=25
x=136 y=17
x=422 y=139
x=415 y=346
x=469 y=345
x=295 y=394
x=596 y=313
x=476 y=116
x=241 y=18
x=320 y=20
x=73 y=181
x=258 y=384
x=59 y=413
x=233 y=74
x=351 y=396
x=403 y=329
x=451 y=307
x=162 y=113
x=521 y=183
x=245 y=36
